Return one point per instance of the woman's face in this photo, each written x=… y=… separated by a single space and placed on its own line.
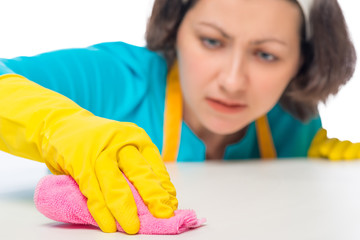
x=236 y=58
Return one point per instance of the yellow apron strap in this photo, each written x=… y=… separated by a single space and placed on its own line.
x=173 y=120
x=172 y=116
x=265 y=140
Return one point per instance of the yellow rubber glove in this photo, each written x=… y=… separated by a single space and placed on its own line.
x=42 y=125
x=333 y=148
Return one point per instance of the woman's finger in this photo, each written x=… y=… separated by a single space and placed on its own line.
x=116 y=191
x=153 y=157
x=133 y=164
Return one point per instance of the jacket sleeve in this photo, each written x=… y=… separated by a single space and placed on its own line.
x=109 y=80
x=100 y=78
x=292 y=137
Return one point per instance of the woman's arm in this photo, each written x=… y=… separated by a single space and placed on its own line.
x=43 y=125
x=100 y=78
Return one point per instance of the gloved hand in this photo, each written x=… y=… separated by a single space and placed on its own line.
x=333 y=148
x=42 y=125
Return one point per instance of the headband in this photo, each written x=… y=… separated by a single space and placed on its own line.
x=305 y=7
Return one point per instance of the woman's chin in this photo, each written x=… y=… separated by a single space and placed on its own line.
x=224 y=128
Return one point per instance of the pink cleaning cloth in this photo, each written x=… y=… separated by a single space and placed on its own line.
x=58 y=197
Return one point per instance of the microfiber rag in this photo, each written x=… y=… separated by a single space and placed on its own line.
x=58 y=197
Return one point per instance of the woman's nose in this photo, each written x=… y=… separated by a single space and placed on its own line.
x=234 y=77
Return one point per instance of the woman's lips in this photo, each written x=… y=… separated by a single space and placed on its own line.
x=225 y=107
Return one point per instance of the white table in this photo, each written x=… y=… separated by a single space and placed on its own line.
x=294 y=199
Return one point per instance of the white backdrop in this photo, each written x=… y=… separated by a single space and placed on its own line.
x=29 y=27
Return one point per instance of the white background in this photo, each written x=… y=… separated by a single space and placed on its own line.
x=30 y=27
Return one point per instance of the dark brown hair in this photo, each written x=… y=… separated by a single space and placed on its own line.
x=328 y=55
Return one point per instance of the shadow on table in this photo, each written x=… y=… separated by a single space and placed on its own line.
x=19 y=194
x=71 y=226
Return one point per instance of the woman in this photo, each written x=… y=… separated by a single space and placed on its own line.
x=227 y=79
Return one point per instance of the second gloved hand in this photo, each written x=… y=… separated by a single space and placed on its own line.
x=333 y=148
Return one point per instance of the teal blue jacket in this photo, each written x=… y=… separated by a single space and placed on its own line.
x=127 y=83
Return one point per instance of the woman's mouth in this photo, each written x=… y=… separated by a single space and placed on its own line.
x=224 y=106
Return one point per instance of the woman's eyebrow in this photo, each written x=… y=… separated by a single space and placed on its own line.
x=219 y=29
x=226 y=35
x=259 y=42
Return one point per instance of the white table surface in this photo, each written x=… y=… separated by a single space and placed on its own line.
x=295 y=199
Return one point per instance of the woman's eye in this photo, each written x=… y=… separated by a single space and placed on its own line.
x=211 y=43
x=266 y=56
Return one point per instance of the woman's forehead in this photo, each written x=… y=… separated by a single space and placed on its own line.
x=242 y=17
x=234 y=8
